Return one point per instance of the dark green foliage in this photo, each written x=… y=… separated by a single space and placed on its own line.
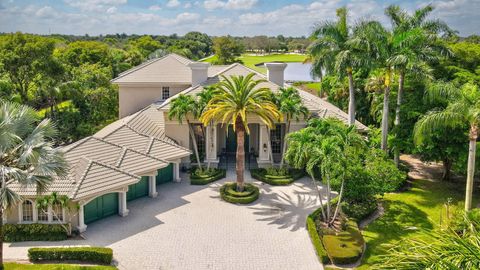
x=359 y=210
x=344 y=247
x=206 y=176
x=99 y=255
x=33 y=232
x=315 y=237
x=228 y=193
x=277 y=177
x=226 y=49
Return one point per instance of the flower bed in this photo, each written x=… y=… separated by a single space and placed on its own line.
x=344 y=247
x=277 y=177
x=229 y=193
x=206 y=176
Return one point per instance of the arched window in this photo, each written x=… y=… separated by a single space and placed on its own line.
x=43 y=213
x=27 y=210
x=57 y=214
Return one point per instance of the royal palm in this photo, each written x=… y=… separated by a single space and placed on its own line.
x=463 y=109
x=235 y=99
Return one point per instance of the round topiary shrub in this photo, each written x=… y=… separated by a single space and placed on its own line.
x=229 y=193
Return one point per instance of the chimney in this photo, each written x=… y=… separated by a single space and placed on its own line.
x=199 y=72
x=275 y=72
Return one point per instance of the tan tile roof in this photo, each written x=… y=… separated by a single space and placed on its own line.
x=93 y=177
x=171 y=68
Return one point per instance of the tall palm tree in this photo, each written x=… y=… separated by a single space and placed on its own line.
x=331 y=50
x=182 y=107
x=27 y=155
x=235 y=98
x=290 y=104
x=463 y=109
x=416 y=46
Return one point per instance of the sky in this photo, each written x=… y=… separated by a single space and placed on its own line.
x=214 y=17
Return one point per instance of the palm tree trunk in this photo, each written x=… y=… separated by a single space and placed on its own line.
x=447 y=169
x=1 y=237
x=351 y=100
x=240 y=166
x=284 y=148
x=339 y=201
x=329 y=197
x=319 y=197
x=397 y=111
x=195 y=147
x=471 y=166
x=386 y=99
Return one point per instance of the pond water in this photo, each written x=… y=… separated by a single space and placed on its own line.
x=298 y=72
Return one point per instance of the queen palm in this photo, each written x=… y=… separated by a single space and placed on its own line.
x=289 y=103
x=236 y=98
x=463 y=109
x=27 y=156
x=331 y=50
x=182 y=107
x=416 y=46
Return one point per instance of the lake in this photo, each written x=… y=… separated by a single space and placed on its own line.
x=297 y=72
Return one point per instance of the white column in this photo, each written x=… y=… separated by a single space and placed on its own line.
x=211 y=143
x=176 y=171
x=152 y=187
x=81 y=222
x=50 y=214
x=122 y=204
x=35 y=211
x=263 y=153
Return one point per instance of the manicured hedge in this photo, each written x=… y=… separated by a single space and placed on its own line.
x=228 y=193
x=33 y=232
x=277 y=180
x=99 y=255
x=203 y=179
x=315 y=237
x=345 y=247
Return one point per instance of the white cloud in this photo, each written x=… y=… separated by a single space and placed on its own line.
x=46 y=12
x=111 y=10
x=154 y=8
x=187 y=5
x=95 y=5
x=230 y=4
x=173 y=3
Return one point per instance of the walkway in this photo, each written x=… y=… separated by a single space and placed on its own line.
x=190 y=227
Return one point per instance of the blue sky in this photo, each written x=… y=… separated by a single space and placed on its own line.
x=215 y=17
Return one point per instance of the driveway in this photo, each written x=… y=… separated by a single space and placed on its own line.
x=190 y=227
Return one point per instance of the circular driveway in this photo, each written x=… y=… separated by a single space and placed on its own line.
x=190 y=227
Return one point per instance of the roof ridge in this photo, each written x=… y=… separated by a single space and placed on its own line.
x=176 y=56
x=223 y=70
x=142 y=65
x=156 y=138
x=77 y=144
x=82 y=178
x=121 y=157
x=150 y=144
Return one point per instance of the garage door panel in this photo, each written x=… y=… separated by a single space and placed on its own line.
x=101 y=207
x=165 y=175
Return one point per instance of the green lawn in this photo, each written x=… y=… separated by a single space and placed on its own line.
x=406 y=213
x=251 y=60
x=18 y=266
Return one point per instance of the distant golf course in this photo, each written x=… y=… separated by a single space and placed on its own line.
x=251 y=60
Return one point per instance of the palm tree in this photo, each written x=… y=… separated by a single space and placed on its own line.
x=235 y=98
x=27 y=156
x=289 y=102
x=331 y=50
x=463 y=109
x=416 y=45
x=181 y=108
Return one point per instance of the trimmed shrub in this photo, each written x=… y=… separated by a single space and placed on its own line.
x=99 y=255
x=206 y=176
x=315 y=237
x=344 y=247
x=228 y=193
x=33 y=232
x=277 y=177
x=359 y=210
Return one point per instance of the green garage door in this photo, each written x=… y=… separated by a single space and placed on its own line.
x=165 y=175
x=100 y=207
x=138 y=190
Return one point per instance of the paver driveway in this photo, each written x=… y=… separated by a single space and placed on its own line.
x=190 y=227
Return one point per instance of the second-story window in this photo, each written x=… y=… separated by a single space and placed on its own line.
x=165 y=92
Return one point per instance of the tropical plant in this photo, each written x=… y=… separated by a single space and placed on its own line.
x=415 y=45
x=463 y=109
x=43 y=203
x=442 y=249
x=183 y=107
x=321 y=148
x=27 y=156
x=290 y=104
x=331 y=49
x=235 y=98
